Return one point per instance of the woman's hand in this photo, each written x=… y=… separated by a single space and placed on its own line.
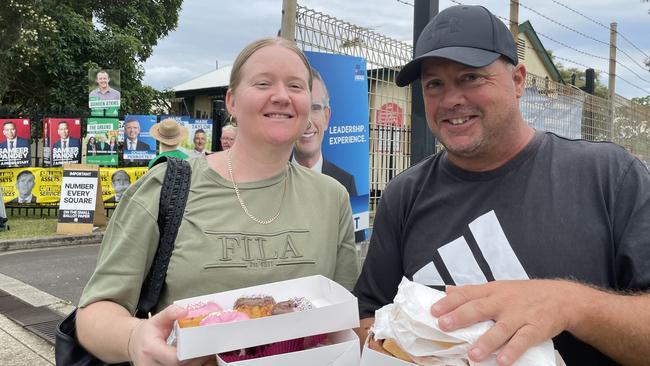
x=148 y=341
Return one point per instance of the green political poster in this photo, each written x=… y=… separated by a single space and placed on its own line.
x=100 y=144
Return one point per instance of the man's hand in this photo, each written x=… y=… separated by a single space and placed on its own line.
x=526 y=313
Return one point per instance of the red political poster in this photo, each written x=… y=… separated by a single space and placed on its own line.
x=62 y=141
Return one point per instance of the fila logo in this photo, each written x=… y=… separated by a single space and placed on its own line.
x=463 y=267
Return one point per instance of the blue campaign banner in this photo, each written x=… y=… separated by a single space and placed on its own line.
x=139 y=146
x=346 y=140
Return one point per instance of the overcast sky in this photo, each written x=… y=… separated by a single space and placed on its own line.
x=212 y=31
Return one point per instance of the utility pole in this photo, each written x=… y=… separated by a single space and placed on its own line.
x=514 y=19
x=288 y=28
x=423 y=143
x=612 y=76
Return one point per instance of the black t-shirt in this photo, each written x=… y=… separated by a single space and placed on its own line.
x=560 y=209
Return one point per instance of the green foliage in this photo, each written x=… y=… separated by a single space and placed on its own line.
x=48 y=46
x=567 y=72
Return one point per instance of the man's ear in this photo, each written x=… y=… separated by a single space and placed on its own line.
x=519 y=79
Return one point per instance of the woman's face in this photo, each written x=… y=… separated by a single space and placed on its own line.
x=113 y=139
x=91 y=140
x=272 y=102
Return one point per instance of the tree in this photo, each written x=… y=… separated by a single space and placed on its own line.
x=48 y=46
x=567 y=72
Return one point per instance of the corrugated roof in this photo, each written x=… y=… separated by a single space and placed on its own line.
x=213 y=79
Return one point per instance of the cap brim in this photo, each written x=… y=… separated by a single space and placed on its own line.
x=472 y=57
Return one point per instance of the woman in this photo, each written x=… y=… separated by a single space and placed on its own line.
x=251 y=217
x=91 y=147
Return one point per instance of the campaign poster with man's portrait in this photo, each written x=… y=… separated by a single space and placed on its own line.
x=62 y=141
x=115 y=181
x=199 y=135
x=104 y=92
x=139 y=147
x=339 y=136
x=30 y=185
x=15 y=143
x=101 y=142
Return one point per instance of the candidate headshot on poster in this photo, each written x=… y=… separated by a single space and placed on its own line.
x=105 y=84
x=15 y=143
x=25 y=182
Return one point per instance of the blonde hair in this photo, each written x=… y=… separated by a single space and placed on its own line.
x=248 y=51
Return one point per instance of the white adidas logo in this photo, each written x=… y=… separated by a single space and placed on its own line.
x=463 y=267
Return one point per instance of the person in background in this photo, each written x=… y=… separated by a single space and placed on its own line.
x=228 y=135
x=308 y=152
x=248 y=192
x=199 y=143
x=169 y=135
x=547 y=236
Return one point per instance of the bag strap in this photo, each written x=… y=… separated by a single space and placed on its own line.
x=173 y=197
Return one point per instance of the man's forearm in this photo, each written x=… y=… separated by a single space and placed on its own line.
x=617 y=325
x=364 y=328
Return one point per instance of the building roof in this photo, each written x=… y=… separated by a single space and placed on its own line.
x=529 y=31
x=213 y=79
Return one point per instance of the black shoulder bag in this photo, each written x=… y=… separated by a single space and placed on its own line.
x=173 y=197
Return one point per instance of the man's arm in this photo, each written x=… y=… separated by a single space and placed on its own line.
x=528 y=312
x=364 y=329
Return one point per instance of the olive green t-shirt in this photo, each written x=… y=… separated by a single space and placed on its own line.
x=218 y=247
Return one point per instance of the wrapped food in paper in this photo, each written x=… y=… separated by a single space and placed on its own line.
x=409 y=322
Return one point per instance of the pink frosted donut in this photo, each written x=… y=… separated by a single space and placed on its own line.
x=225 y=316
x=201 y=308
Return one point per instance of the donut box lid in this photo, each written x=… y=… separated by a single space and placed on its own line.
x=335 y=309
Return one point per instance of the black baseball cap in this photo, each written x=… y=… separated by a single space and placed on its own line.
x=469 y=35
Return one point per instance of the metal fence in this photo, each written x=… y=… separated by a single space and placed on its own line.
x=546 y=105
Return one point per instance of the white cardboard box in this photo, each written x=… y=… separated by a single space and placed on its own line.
x=335 y=309
x=344 y=351
x=370 y=357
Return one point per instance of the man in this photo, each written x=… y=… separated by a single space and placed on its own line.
x=24 y=185
x=199 y=143
x=568 y=220
x=65 y=141
x=132 y=130
x=104 y=91
x=169 y=135
x=228 y=135
x=12 y=141
x=120 y=181
x=307 y=151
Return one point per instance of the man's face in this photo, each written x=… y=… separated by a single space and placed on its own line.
x=227 y=139
x=63 y=130
x=309 y=144
x=472 y=111
x=199 y=141
x=25 y=184
x=102 y=80
x=9 y=130
x=121 y=182
x=132 y=129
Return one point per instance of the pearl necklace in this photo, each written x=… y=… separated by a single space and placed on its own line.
x=241 y=201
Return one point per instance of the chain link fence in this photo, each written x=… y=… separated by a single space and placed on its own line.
x=546 y=105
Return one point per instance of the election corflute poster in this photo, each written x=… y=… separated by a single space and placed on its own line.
x=62 y=141
x=80 y=206
x=346 y=139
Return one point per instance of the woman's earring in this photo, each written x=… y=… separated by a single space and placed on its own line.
x=232 y=121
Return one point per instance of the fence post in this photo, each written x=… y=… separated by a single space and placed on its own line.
x=288 y=28
x=423 y=143
x=612 y=77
